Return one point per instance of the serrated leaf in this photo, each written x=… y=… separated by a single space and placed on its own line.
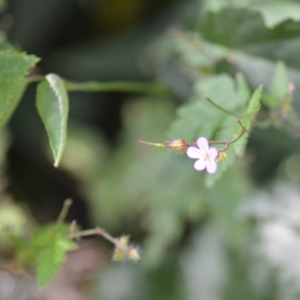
x=278 y=89
x=51 y=244
x=47 y=266
x=246 y=121
x=14 y=67
x=199 y=117
x=254 y=102
x=243 y=88
x=279 y=82
x=53 y=106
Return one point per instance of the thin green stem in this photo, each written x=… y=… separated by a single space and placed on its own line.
x=101 y=232
x=227 y=143
x=220 y=107
x=118 y=86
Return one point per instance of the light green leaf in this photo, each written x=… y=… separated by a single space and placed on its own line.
x=53 y=106
x=199 y=117
x=243 y=88
x=14 y=67
x=254 y=102
x=247 y=120
x=252 y=46
x=280 y=81
x=244 y=30
x=51 y=245
x=278 y=88
x=47 y=265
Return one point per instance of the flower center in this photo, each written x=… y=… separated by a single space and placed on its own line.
x=205 y=156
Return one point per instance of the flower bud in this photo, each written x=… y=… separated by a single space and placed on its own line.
x=118 y=255
x=133 y=254
x=177 y=145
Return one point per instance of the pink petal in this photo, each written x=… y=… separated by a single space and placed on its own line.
x=211 y=166
x=213 y=153
x=193 y=152
x=200 y=165
x=203 y=144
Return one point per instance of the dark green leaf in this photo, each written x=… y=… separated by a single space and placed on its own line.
x=14 y=67
x=53 y=106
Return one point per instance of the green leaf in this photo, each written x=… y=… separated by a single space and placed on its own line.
x=278 y=89
x=199 y=117
x=249 y=46
x=247 y=120
x=280 y=81
x=51 y=245
x=244 y=30
x=53 y=106
x=14 y=67
x=243 y=88
x=254 y=102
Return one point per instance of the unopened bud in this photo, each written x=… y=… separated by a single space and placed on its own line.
x=177 y=145
x=125 y=251
x=133 y=254
x=124 y=239
x=118 y=255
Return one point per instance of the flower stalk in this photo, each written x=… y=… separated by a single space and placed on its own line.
x=207 y=156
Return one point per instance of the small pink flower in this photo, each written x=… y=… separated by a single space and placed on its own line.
x=206 y=156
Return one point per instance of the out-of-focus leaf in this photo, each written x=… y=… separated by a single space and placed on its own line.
x=14 y=67
x=278 y=89
x=243 y=88
x=274 y=211
x=273 y=11
x=277 y=11
x=205 y=260
x=279 y=82
x=53 y=106
x=244 y=30
x=254 y=102
x=247 y=121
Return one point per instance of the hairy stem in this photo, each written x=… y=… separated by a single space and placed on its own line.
x=64 y=211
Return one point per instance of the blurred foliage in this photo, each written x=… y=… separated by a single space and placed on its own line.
x=223 y=69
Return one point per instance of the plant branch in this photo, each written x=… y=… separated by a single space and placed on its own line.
x=220 y=107
x=64 y=211
x=118 y=86
x=101 y=232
